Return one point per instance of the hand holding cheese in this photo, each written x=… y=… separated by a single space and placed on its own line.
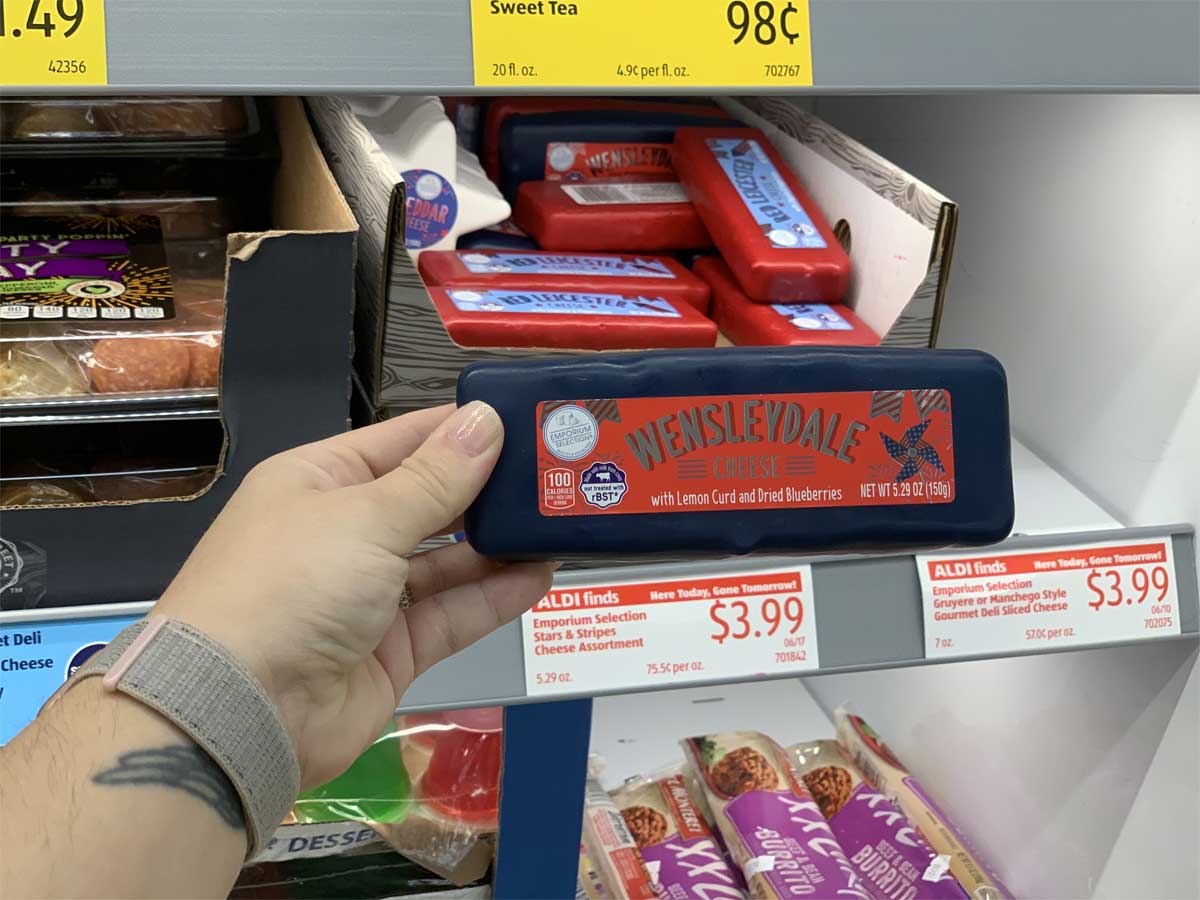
x=301 y=574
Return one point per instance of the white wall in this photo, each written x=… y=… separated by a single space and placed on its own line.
x=1078 y=265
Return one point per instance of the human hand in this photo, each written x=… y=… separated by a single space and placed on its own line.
x=302 y=573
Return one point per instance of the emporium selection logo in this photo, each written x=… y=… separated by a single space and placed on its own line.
x=570 y=432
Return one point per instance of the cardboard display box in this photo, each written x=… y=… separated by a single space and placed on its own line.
x=899 y=233
x=285 y=380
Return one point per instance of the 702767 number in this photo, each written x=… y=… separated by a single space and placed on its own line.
x=777 y=70
x=67 y=66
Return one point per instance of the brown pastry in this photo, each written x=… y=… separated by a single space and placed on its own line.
x=57 y=120
x=39 y=369
x=741 y=770
x=114 y=488
x=179 y=117
x=41 y=493
x=119 y=365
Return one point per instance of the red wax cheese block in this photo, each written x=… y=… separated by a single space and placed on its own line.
x=767 y=227
x=501 y=108
x=645 y=216
x=748 y=323
x=534 y=270
x=485 y=316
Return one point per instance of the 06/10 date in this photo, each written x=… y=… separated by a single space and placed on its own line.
x=67 y=66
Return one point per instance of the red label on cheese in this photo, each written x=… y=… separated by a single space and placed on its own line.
x=586 y=161
x=744 y=451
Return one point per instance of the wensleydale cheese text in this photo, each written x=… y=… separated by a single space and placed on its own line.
x=712 y=425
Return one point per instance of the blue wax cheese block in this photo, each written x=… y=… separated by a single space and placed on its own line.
x=612 y=144
x=497 y=239
x=743 y=450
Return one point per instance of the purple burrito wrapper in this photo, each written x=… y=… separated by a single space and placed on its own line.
x=888 y=853
x=679 y=849
x=770 y=822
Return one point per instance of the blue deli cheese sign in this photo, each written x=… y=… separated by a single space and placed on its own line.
x=37 y=657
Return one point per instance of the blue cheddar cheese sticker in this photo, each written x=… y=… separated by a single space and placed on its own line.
x=431 y=208
x=812 y=316
x=562 y=303
x=551 y=264
x=784 y=222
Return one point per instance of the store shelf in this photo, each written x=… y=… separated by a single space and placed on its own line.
x=313 y=46
x=639 y=734
x=191 y=403
x=867 y=608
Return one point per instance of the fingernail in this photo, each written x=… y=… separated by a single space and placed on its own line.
x=555 y=566
x=479 y=427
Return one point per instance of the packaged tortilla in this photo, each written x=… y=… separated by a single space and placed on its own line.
x=771 y=824
x=588 y=885
x=677 y=846
x=612 y=847
x=881 y=768
x=889 y=855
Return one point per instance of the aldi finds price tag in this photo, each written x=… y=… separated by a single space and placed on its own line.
x=607 y=637
x=52 y=43
x=633 y=43
x=1037 y=599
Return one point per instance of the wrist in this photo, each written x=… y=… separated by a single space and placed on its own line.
x=212 y=696
x=280 y=687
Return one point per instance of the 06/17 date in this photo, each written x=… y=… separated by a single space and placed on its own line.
x=67 y=66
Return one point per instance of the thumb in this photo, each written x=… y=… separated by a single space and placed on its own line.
x=436 y=484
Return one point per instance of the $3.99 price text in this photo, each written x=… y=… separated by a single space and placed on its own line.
x=739 y=620
x=1112 y=588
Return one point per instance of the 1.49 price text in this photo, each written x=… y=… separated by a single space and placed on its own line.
x=45 y=18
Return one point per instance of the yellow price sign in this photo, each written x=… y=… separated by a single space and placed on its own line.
x=52 y=43
x=641 y=43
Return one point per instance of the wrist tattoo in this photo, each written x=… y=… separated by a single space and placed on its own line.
x=182 y=767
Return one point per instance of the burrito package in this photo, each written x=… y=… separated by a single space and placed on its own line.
x=677 y=846
x=613 y=852
x=889 y=855
x=771 y=824
x=588 y=885
x=885 y=773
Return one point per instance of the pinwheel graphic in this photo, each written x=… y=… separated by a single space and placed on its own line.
x=912 y=452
